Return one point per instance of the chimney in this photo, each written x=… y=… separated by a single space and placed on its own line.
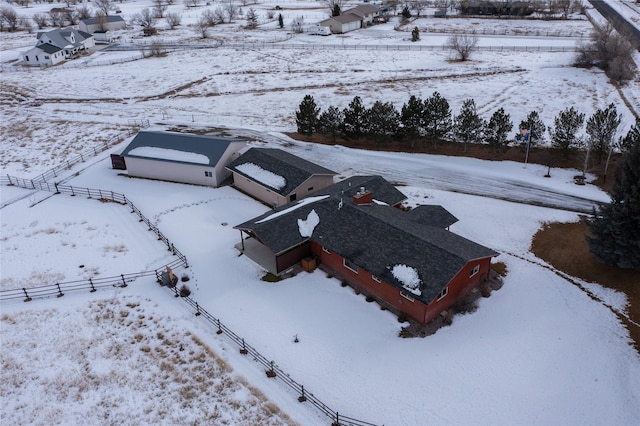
x=363 y=197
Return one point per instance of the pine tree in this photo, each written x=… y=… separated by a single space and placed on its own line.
x=468 y=126
x=415 y=34
x=536 y=126
x=601 y=129
x=331 y=121
x=280 y=20
x=252 y=19
x=307 y=116
x=382 y=120
x=354 y=118
x=633 y=137
x=615 y=228
x=406 y=14
x=336 y=10
x=437 y=117
x=411 y=117
x=564 y=134
x=497 y=129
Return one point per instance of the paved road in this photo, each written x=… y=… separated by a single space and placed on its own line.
x=618 y=21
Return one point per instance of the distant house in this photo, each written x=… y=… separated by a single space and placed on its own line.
x=102 y=24
x=179 y=157
x=54 y=46
x=276 y=177
x=352 y=19
x=408 y=261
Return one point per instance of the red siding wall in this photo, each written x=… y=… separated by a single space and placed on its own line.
x=385 y=292
x=291 y=257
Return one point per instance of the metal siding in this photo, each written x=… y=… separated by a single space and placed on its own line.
x=170 y=171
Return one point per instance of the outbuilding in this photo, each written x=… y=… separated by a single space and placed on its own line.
x=277 y=177
x=102 y=23
x=180 y=157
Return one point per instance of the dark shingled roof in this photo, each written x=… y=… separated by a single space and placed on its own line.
x=49 y=48
x=375 y=237
x=104 y=19
x=431 y=215
x=293 y=169
x=382 y=190
x=212 y=147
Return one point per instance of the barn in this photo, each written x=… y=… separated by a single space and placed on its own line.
x=407 y=261
x=179 y=157
x=102 y=23
x=277 y=177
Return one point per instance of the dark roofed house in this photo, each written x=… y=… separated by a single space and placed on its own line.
x=180 y=157
x=277 y=177
x=352 y=19
x=407 y=261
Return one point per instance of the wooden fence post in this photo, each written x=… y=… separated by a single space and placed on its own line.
x=243 y=350
x=219 y=331
x=197 y=309
x=27 y=298
x=302 y=398
x=124 y=283
x=93 y=289
x=60 y=293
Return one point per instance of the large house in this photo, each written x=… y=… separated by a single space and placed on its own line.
x=179 y=157
x=352 y=19
x=56 y=46
x=408 y=261
x=276 y=177
x=102 y=24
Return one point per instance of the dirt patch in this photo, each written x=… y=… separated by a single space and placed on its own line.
x=564 y=246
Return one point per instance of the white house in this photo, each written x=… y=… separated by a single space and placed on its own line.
x=352 y=19
x=180 y=157
x=102 y=23
x=44 y=55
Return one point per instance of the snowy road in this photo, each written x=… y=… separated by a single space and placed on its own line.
x=454 y=174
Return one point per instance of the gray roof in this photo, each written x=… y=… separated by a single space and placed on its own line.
x=432 y=215
x=212 y=147
x=59 y=37
x=293 y=169
x=382 y=190
x=105 y=20
x=374 y=237
x=49 y=48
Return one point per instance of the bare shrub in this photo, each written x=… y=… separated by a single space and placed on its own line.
x=463 y=44
x=173 y=19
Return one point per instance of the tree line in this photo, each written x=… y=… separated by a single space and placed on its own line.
x=432 y=119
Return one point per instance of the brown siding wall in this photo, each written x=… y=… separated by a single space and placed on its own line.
x=293 y=256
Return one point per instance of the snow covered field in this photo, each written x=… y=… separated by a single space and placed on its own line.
x=539 y=351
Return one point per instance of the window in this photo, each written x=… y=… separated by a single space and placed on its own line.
x=310 y=188
x=407 y=296
x=208 y=174
x=325 y=250
x=46 y=57
x=443 y=293
x=26 y=58
x=350 y=265
x=376 y=279
x=292 y=197
x=474 y=271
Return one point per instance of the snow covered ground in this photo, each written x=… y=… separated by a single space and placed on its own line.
x=538 y=351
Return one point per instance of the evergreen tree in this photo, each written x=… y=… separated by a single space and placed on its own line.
x=415 y=34
x=280 y=20
x=411 y=118
x=633 y=137
x=354 y=118
x=563 y=135
x=536 y=126
x=331 y=121
x=307 y=116
x=615 y=228
x=468 y=126
x=336 y=10
x=497 y=129
x=406 y=13
x=252 y=19
x=601 y=129
x=382 y=120
x=437 y=117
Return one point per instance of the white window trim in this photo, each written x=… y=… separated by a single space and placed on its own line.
x=344 y=263
x=475 y=270
x=325 y=250
x=375 y=278
x=406 y=296
x=443 y=294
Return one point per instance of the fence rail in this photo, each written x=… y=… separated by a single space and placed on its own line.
x=99 y=194
x=92 y=285
x=271 y=368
